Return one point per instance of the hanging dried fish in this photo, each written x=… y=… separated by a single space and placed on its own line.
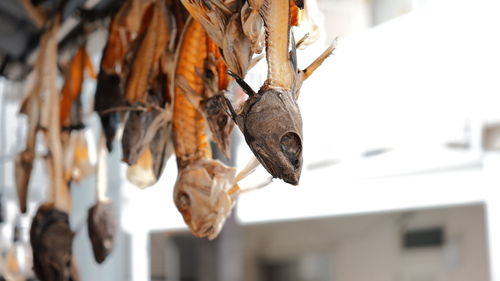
x=210 y=102
x=76 y=161
x=206 y=190
x=101 y=218
x=123 y=30
x=50 y=235
x=200 y=192
x=270 y=119
x=147 y=86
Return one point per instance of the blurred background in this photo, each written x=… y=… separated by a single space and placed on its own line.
x=401 y=163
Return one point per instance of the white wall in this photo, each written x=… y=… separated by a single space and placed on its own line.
x=368 y=247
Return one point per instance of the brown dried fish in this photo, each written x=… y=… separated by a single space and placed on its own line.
x=149 y=85
x=50 y=234
x=51 y=240
x=270 y=119
x=123 y=31
x=101 y=218
x=101 y=221
x=146 y=64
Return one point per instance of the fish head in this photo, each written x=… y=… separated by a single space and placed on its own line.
x=201 y=196
x=272 y=126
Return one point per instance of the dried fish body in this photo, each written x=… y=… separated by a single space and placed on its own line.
x=146 y=64
x=209 y=100
x=150 y=129
x=202 y=186
x=76 y=161
x=114 y=67
x=189 y=125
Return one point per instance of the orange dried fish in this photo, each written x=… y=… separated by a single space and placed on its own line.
x=147 y=59
x=201 y=191
x=73 y=82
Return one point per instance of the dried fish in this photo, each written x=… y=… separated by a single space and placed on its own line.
x=76 y=161
x=51 y=239
x=210 y=100
x=149 y=84
x=50 y=234
x=145 y=66
x=101 y=218
x=123 y=30
x=270 y=119
x=200 y=192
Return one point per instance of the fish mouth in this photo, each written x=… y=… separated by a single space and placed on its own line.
x=292 y=179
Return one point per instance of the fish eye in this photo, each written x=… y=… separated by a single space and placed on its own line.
x=222 y=120
x=291 y=146
x=184 y=201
